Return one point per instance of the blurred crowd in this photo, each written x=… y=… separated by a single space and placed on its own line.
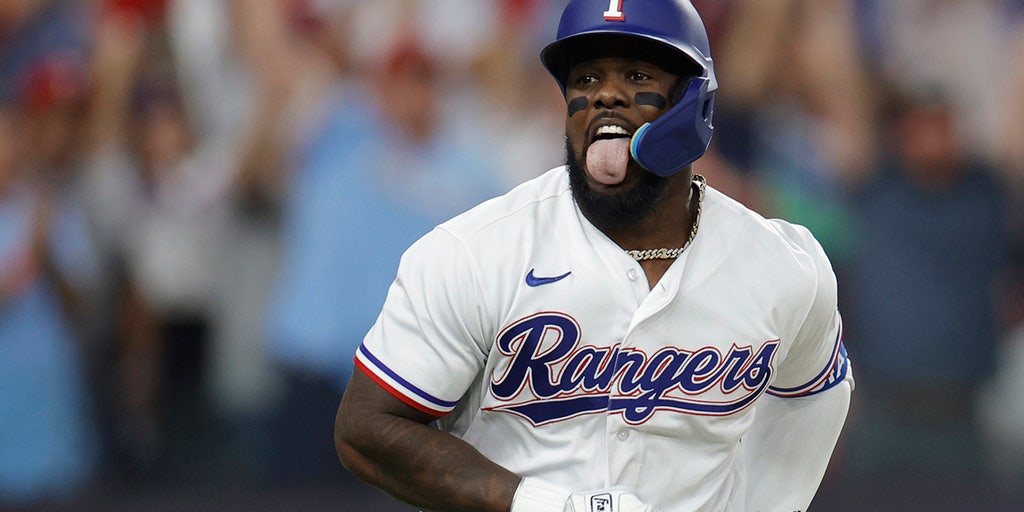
x=202 y=203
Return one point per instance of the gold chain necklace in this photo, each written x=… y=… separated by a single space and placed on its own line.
x=670 y=254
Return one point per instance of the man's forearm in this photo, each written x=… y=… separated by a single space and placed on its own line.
x=415 y=462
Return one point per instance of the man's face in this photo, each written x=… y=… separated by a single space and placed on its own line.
x=608 y=99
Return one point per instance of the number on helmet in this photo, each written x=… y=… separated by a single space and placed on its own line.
x=614 y=12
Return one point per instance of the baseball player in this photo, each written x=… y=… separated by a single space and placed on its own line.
x=616 y=334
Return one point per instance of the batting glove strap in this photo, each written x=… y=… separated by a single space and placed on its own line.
x=612 y=499
x=536 y=495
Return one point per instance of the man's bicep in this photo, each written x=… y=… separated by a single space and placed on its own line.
x=366 y=415
x=364 y=398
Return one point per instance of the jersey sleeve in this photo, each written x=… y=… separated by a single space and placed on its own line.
x=817 y=359
x=788 y=448
x=797 y=425
x=428 y=343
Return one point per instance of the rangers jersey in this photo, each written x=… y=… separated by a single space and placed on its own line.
x=535 y=338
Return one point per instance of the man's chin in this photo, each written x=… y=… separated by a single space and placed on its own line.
x=619 y=205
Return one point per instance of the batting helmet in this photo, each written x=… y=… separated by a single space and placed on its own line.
x=672 y=27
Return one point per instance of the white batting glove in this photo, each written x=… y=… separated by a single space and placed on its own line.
x=612 y=499
x=536 y=495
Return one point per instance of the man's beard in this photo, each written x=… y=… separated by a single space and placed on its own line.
x=618 y=209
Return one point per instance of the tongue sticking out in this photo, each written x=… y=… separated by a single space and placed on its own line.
x=607 y=160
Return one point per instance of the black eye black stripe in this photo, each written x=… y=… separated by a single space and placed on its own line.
x=651 y=98
x=577 y=105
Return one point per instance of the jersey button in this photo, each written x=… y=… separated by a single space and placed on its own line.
x=632 y=274
x=622 y=435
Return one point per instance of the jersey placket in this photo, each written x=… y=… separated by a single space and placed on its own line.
x=621 y=436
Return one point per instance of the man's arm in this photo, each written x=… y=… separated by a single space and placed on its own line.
x=392 y=446
x=789 y=446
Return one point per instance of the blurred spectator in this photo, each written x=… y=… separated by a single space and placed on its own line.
x=930 y=240
x=158 y=203
x=31 y=29
x=236 y=61
x=794 y=110
x=729 y=161
x=1001 y=409
x=382 y=169
x=508 y=97
x=958 y=44
x=47 y=269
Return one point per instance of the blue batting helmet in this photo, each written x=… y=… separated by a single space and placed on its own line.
x=672 y=28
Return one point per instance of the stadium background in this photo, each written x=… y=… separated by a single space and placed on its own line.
x=202 y=203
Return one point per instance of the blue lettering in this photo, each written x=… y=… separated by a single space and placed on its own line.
x=567 y=381
x=527 y=363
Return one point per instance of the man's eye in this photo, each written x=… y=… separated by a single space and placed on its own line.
x=639 y=76
x=586 y=79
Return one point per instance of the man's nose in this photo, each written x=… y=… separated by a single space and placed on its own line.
x=611 y=93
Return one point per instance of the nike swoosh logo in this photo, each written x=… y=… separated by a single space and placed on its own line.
x=532 y=280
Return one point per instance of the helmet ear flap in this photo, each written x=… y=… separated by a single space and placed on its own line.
x=679 y=136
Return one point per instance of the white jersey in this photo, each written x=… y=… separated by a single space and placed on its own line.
x=535 y=338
